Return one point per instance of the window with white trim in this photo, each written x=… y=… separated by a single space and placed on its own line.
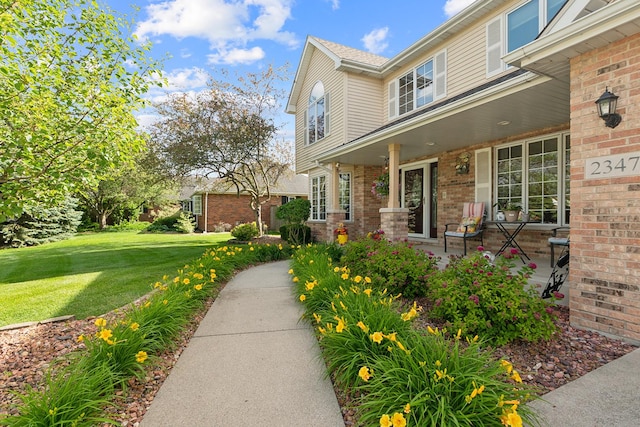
x=316 y=117
x=318 y=198
x=419 y=87
x=516 y=28
x=535 y=175
x=344 y=194
x=197 y=204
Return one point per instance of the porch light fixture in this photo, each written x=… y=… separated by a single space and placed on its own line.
x=607 y=104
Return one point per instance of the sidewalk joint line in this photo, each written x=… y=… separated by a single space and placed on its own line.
x=249 y=333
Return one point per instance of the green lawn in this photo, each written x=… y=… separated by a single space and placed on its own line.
x=90 y=274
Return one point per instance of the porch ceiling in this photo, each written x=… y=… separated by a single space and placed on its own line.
x=536 y=102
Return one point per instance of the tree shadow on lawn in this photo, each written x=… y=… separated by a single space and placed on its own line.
x=121 y=275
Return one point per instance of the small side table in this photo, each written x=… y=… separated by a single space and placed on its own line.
x=510 y=234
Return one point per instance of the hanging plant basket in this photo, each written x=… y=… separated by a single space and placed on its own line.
x=380 y=186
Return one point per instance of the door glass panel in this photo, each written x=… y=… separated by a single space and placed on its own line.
x=414 y=199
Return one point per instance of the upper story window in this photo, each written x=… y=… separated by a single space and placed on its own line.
x=420 y=86
x=317 y=115
x=516 y=28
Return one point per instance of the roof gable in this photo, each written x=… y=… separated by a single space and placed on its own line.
x=345 y=59
x=572 y=11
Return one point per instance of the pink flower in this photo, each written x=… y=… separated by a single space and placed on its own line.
x=481 y=248
x=514 y=251
x=533 y=265
x=475 y=299
x=549 y=310
x=558 y=295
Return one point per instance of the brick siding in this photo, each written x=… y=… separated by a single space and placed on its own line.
x=605 y=213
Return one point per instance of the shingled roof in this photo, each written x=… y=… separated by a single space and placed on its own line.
x=352 y=54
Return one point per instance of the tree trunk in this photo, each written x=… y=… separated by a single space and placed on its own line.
x=102 y=220
x=259 y=220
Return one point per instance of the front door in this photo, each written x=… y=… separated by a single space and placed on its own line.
x=419 y=195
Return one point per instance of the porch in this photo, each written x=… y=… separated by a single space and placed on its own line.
x=539 y=278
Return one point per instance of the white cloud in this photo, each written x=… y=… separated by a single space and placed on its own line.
x=375 y=41
x=226 y=25
x=335 y=4
x=187 y=78
x=236 y=56
x=451 y=7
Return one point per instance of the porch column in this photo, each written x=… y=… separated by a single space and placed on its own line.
x=394 y=185
x=394 y=220
x=335 y=215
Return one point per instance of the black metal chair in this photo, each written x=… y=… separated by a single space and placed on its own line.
x=557 y=240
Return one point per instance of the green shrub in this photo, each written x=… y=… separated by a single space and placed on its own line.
x=70 y=396
x=395 y=266
x=490 y=300
x=41 y=224
x=442 y=381
x=296 y=234
x=395 y=372
x=245 y=232
x=185 y=223
x=163 y=224
x=296 y=211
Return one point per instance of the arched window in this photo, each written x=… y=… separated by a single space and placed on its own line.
x=317 y=114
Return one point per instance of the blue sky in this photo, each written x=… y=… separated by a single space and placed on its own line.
x=241 y=36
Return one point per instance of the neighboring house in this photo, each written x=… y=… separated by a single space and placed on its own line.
x=510 y=85
x=217 y=205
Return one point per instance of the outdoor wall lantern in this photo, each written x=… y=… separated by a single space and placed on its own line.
x=607 y=104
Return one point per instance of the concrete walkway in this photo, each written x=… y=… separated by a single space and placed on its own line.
x=606 y=397
x=250 y=363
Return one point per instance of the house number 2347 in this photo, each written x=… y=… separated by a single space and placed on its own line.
x=615 y=165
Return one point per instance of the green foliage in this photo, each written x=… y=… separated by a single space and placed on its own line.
x=245 y=232
x=70 y=396
x=231 y=134
x=70 y=79
x=490 y=300
x=394 y=371
x=296 y=211
x=395 y=266
x=181 y=222
x=185 y=223
x=296 y=234
x=38 y=225
x=445 y=382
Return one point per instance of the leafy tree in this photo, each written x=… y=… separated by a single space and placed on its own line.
x=227 y=132
x=295 y=213
x=127 y=189
x=69 y=82
x=37 y=225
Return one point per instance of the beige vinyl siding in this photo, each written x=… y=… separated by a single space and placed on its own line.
x=363 y=105
x=466 y=59
x=321 y=69
x=467 y=66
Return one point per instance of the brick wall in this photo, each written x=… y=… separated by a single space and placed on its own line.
x=605 y=213
x=232 y=209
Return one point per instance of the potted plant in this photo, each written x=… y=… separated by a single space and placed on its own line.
x=511 y=211
x=342 y=234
